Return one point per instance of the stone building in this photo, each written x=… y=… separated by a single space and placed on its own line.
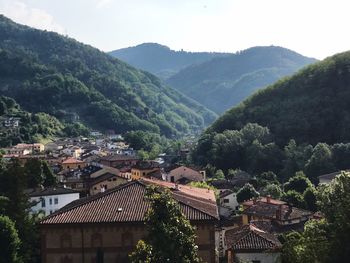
x=109 y=225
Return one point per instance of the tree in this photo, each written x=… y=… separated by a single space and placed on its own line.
x=267 y=178
x=9 y=241
x=333 y=201
x=34 y=172
x=298 y=183
x=309 y=197
x=246 y=193
x=294 y=198
x=171 y=238
x=273 y=190
x=320 y=162
x=219 y=175
x=49 y=177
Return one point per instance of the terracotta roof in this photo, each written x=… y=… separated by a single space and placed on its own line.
x=119 y=157
x=71 y=160
x=264 y=200
x=104 y=177
x=51 y=191
x=277 y=212
x=127 y=203
x=250 y=238
x=225 y=193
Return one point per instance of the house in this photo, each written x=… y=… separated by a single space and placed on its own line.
x=11 y=122
x=144 y=169
x=278 y=212
x=106 y=181
x=72 y=163
x=49 y=200
x=34 y=147
x=228 y=199
x=53 y=147
x=111 y=223
x=117 y=160
x=327 y=178
x=183 y=172
x=15 y=152
x=74 y=151
x=248 y=243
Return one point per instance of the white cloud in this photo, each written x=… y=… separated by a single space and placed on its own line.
x=34 y=17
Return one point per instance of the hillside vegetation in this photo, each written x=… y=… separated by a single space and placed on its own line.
x=300 y=123
x=224 y=82
x=47 y=72
x=161 y=60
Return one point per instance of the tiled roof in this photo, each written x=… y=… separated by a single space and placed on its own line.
x=51 y=191
x=276 y=212
x=71 y=160
x=119 y=157
x=265 y=200
x=104 y=177
x=251 y=238
x=127 y=203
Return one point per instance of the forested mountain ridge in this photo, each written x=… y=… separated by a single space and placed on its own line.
x=161 y=60
x=223 y=82
x=310 y=107
x=47 y=72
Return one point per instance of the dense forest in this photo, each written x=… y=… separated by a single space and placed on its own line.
x=161 y=60
x=300 y=123
x=224 y=82
x=46 y=72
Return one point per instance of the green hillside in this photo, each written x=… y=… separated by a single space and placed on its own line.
x=46 y=72
x=300 y=123
x=161 y=60
x=31 y=127
x=311 y=106
x=224 y=82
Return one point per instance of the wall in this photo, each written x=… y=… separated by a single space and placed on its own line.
x=116 y=241
x=232 y=201
x=107 y=184
x=63 y=200
x=185 y=172
x=263 y=257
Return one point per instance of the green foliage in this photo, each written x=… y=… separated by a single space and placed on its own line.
x=309 y=107
x=49 y=177
x=298 y=183
x=219 y=175
x=333 y=201
x=247 y=192
x=294 y=198
x=311 y=246
x=9 y=241
x=221 y=83
x=34 y=172
x=168 y=231
x=46 y=72
x=273 y=190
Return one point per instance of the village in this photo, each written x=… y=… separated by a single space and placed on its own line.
x=98 y=204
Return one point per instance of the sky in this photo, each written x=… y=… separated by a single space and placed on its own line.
x=314 y=28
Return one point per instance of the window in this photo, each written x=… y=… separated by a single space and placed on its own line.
x=50 y=201
x=172 y=179
x=256 y=261
x=56 y=200
x=226 y=201
x=43 y=202
x=114 y=179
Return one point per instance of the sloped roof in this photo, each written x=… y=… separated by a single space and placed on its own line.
x=126 y=203
x=51 y=191
x=251 y=238
x=331 y=176
x=71 y=160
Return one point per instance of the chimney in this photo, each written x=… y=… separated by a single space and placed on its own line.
x=279 y=212
x=268 y=199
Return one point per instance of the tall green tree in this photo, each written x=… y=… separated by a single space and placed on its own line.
x=9 y=241
x=171 y=238
x=246 y=192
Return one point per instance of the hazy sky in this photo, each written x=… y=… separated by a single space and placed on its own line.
x=316 y=28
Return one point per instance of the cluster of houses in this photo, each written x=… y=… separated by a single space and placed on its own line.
x=98 y=209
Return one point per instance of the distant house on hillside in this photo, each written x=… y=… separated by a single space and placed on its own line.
x=327 y=178
x=72 y=163
x=185 y=173
x=144 y=169
x=117 y=160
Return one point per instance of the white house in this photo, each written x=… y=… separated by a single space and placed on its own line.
x=51 y=199
x=185 y=173
x=228 y=199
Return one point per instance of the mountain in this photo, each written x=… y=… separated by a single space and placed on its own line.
x=311 y=106
x=161 y=60
x=224 y=82
x=47 y=72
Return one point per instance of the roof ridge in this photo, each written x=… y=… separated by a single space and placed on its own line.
x=197 y=209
